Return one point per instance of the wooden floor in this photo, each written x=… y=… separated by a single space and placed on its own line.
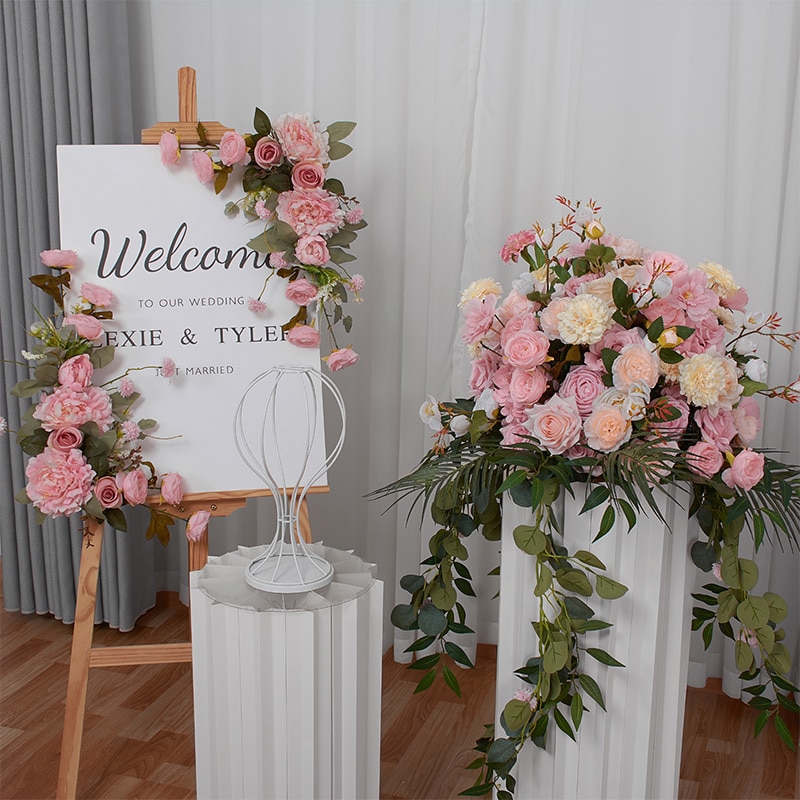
x=138 y=740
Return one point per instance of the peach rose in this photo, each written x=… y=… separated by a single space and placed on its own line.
x=556 y=424
x=635 y=363
x=607 y=428
x=746 y=471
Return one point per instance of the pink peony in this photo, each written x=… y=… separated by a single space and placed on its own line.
x=197 y=525
x=668 y=310
x=308 y=175
x=170 y=148
x=67 y=408
x=85 y=325
x=556 y=424
x=746 y=471
x=172 y=488
x=167 y=367
x=635 y=363
x=607 y=428
x=108 y=493
x=719 y=428
x=134 y=486
x=203 y=166
x=59 y=258
x=301 y=138
x=267 y=153
x=232 y=148
x=526 y=349
x=59 y=483
x=708 y=333
x=97 y=295
x=747 y=419
x=301 y=291
x=737 y=301
x=516 y=243
x=303 y=336
x=65 y=439
x=584 y=385
x=76 y=372
x=311 y=211
x=704 y=458
x=354 y=216
x=339 y=359
x=312 y=250
x=478 y=319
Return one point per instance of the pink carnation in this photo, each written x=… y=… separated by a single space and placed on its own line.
x=339 y=359
x=170 y=148
x=65 y=408
x=232 y=148
x=203 y=166
x=108 y=492
x=197 y=525
x=746 y=471
x=301 y=291
x=516 y=243
x=172 y=488
x=59 y=483
x=85 y=325
x=704 y=458
x=310 y=211
x=76 y=372
x=134 y=486
x=301 y=138
x=267 y=153
x=303 y=336
x=97 y=295
x=59 y=258
x=65 y=439
x=556 y=424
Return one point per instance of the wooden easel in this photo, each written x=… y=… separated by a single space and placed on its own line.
x=83 y=655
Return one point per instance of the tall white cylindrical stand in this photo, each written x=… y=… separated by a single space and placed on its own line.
x=632 y=750
x=287 y=688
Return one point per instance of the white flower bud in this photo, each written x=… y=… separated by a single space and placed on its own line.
x=459 y=425
x=756 y=370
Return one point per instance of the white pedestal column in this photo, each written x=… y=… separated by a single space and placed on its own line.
x=287 y=689
x=633 y=750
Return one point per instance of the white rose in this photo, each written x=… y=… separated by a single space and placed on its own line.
x=756 y=370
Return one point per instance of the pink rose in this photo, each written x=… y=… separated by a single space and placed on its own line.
x=704 y=458
x=526 y=386
x=97 y=295
x=526 y=349
x=267 y=153
x=308 y=175
x=59 y=258
x=301 y=292
x=303 y=336
x=232 y=148
x=108 y=493
x=746 y=471
x=635 y=363
x=514 y=433
x=203 y=166
x=719 y=428
x=607 y=429
x=65 y=439
x=172 y=488
x=523 y=321
x=548 y=316
x=301 y=138
x=556 y=424
x=312 y=211
x=197 y=525
x=747 y=419
x=517 y=305
x=312 y=250
x=76 y=372
x=584 y=385
x=85 y=325
x=478 y=319
x=170 y=148
x=134 y=487
x=67 y=408
x=59 y=483
x=339 y=359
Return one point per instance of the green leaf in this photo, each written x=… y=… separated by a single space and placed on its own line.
x=708 y=635
x=779 y=659
x=783 y=732
x=766 y=638
x=655 y=329
x=576 y=710
x=703 y=555
x=116 y=519
x=426 y=661
x=777 y=607
x=574 y=580
x=514 y=479
x=339 y=130
x=728 y=603
x=432 y=620
x=480 y=790
x=442 y=596
x=603 y=657
x=335 y=186
x=761 y=721
x=608 y=588
x=591 y=687
x=516 y=714
x=590 y=559
x=339 y=256
x=598 y=495
x=544 y=581
x=338 y=150
x=457 y=654
x=500 y=752
x=426 y=681
x=606 y=523
x=465 y=587
x=261 y=122
x=412 y=583
x=577 y=609
x=403 y=617
x=753 y=612
x=744 y=656
x=421 y=644
x=555 y=656
x=562 y=723
x=450 y=680
x=529 y=539
x=27 y=388
x=102 y=356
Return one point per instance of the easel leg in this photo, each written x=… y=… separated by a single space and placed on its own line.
x=82 y=633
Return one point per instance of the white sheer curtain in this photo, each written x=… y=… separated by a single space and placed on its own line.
x=680 y=118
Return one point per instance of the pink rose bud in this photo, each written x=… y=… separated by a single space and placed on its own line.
x=59 y=258
x=76 y=372
x=203 y=166
x=170 y=148
x=267 y=153
x=197 y=525
x=301 y=291
x=85 y=325
x=303 y=336
x=339 y=359
x=108 y=493
x=134 y=487
x=232 y=148
x=172 y=489
x=308 y=175
x=65 y=439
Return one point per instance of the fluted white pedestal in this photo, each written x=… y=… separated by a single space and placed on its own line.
x=633 y=750
x=287 y=689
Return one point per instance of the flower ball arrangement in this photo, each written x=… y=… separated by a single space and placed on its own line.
x=309 y=222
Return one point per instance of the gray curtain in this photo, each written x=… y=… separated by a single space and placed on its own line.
x=64 y=79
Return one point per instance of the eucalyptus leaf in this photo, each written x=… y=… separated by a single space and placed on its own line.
x=608 y=588
x=777 y=607
x=516 y=714
x=728 y=603
x=555 y=656
x=432 y=620
x=529 y=539
x=412 y=583
x=753 y=612
x=744 y=655
x=574 y=580
x=544 y=581
x=403 y=616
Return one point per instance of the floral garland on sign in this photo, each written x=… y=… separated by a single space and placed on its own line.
x=309 y=221
x=84 y=442
x=626 y=370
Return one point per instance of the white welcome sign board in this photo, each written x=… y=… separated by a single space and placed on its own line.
x=182 y=275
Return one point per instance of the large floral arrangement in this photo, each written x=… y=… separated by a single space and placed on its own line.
x=309 y=223
x=84 y=440
x=627 y=371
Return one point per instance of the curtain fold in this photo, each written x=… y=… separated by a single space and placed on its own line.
x=65 y=80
